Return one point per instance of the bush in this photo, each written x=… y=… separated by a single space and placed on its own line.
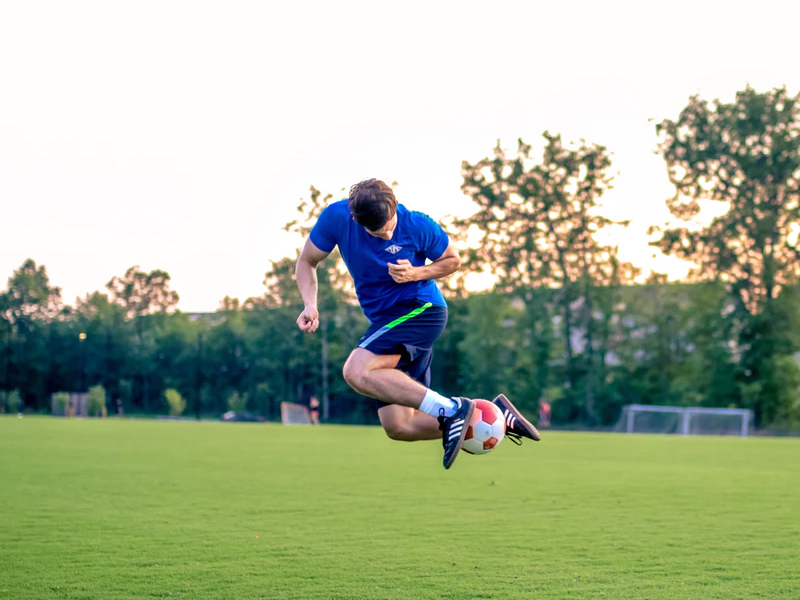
x=62 y=401
x=176 y=402
x=237 y=402
x=97 y=400
x=14 y=401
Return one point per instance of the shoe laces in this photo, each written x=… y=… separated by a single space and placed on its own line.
x=514 y=437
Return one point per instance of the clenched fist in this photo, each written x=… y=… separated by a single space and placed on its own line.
x=403 y=271
x=308 y=320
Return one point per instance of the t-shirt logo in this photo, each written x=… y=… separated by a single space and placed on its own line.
x=394 y=248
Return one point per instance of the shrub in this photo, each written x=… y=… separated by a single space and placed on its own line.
x=14 y=401
x=97 y=400
x=62 y=401
x=237 y=402
x=176 y=402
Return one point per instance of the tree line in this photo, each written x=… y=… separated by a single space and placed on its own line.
x=564 y=320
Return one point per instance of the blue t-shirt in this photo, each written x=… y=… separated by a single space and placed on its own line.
x=415 y=238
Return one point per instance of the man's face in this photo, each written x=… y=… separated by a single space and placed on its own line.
x=385 y=232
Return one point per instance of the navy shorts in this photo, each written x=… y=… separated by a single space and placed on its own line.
x=410 y=330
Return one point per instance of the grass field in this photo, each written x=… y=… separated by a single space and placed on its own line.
x=142 y=509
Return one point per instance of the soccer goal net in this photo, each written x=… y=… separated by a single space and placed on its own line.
x=294 y=414
x=637 y=418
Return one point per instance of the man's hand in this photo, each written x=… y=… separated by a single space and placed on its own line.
x=403 y=271
x=308 y=320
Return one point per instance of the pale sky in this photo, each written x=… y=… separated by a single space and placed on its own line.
x=181 y=135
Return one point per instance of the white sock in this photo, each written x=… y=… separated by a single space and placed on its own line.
x=432 y=403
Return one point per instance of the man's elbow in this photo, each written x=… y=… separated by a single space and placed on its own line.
x=456 y=263
x=303 y=265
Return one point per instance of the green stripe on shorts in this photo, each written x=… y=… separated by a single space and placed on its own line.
x=394 y=324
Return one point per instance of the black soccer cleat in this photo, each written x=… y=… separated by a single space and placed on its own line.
x=454 y=429
x=517 y=426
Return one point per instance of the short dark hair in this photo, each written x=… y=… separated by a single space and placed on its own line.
x=372 y=203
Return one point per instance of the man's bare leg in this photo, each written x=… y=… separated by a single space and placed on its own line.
x=406 y=424
x=375 y=375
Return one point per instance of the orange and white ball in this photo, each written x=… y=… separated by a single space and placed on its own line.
x=486 y=428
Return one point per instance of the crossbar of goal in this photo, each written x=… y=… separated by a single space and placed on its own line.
x=686 y=413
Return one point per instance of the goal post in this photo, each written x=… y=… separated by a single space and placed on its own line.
x=640 y=418
x=294 y=414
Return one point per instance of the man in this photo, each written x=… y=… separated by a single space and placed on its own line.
x=385 y=247
x=313 y=410
x=544 y=413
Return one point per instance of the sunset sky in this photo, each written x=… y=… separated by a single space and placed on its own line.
x=181 y=135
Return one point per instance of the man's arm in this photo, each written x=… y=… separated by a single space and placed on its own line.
x=449 y=262
x=305 y=272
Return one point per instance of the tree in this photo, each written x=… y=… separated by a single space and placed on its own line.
x=746 y=155
x=5 y=350
x=97 y=307
x=141 y=293
x=229 y=304
x=107 y=337
x=535 y=227
x=671 y=346
x=30 y=296
x=28 y=306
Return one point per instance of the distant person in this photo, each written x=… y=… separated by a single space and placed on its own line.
x=385 y=247
x=544 y=413
x=313 y=410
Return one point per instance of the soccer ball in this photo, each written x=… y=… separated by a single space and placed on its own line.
x=486 y=428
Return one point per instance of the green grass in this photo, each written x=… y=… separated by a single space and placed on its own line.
x=136 y=509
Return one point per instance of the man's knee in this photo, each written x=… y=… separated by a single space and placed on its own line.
x=354 y=374
x=361 y=363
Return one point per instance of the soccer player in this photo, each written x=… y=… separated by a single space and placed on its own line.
x=313 y=410
x=385 y=247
